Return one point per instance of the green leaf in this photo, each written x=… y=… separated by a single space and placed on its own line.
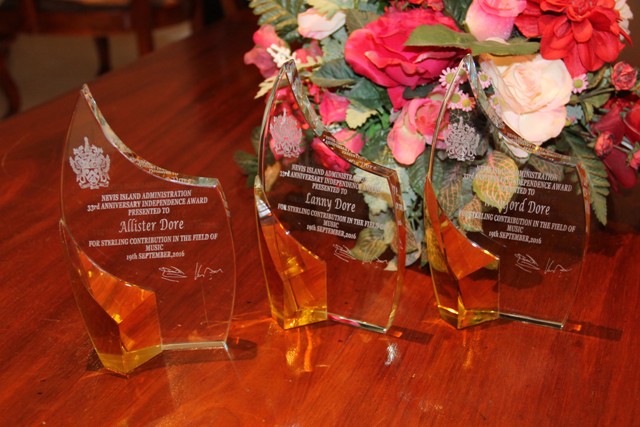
x=357 y=19
x=334 y=73
x=496 y=181
x=419 y=91
x=471 y=222
x=546 y=167
x=588 y=111
x=369 y=245
x=282 y=14
x=328 y=8
x=358 y=114
x=333 y=47
x=596 y=174
x=248 y=163
x=440 y=35
x=449 y=197
x=367 y=94
x=375 y=144
x=598 y=100
x=418 y=172
x=457 y=9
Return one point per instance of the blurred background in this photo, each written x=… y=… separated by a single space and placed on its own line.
x=45 y=65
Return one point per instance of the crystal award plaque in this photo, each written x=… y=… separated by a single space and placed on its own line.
x=332 y=223
x=151 y=252
x=507 y=221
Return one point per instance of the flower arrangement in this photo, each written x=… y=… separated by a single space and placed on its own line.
x=376 y=71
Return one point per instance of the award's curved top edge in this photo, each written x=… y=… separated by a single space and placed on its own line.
x=509 y=135
x=138 y=161
x=290 y=72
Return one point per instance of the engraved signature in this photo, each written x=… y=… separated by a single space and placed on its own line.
x=203 y=272
x=172 y=274
x=344 y=254
x=528 y=264
x=554 y=267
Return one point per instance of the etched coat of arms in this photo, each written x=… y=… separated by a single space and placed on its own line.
x=90 y=166
x=287 y=136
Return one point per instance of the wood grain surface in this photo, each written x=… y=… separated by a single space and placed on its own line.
x=189 y=107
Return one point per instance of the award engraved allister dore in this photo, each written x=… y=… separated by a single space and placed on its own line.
x=150 y=251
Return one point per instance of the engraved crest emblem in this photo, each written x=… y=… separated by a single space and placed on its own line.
x=90 y=166
x=462 y=141
x=287 y=136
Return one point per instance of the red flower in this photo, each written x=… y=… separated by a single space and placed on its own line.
x=612 y=127
x=584 y=33
x=377 y=51
x=604 y=144
x=611 y=122
x=634 y=160
x=624 y=76
x=632 y=124
x=619 y=171
x=434 y=4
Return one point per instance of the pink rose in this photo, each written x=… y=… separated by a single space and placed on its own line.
x=333 y=108
x=264 y=38
x=413 y=129
x=313 y=25
x=328 y=159
x=624 y=76
x=493 y=18
x=377 y=52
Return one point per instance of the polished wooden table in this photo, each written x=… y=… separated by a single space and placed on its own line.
x=189 y=107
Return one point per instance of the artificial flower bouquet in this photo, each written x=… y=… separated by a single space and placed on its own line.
x=376 y=73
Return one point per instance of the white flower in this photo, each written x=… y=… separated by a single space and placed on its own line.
x=280 y=54
x=532 y=92
x=313 y=25
x=625 y=15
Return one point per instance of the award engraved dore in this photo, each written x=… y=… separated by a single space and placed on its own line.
x=506 y=221
x=151 y=252
x=332 y=223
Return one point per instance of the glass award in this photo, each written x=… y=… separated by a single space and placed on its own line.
x=506 y=221
x=150 y=251
x=331 y=222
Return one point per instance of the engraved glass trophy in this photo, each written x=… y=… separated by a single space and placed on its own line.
x=506 y=221
x=151 y=252
x=331 y=222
